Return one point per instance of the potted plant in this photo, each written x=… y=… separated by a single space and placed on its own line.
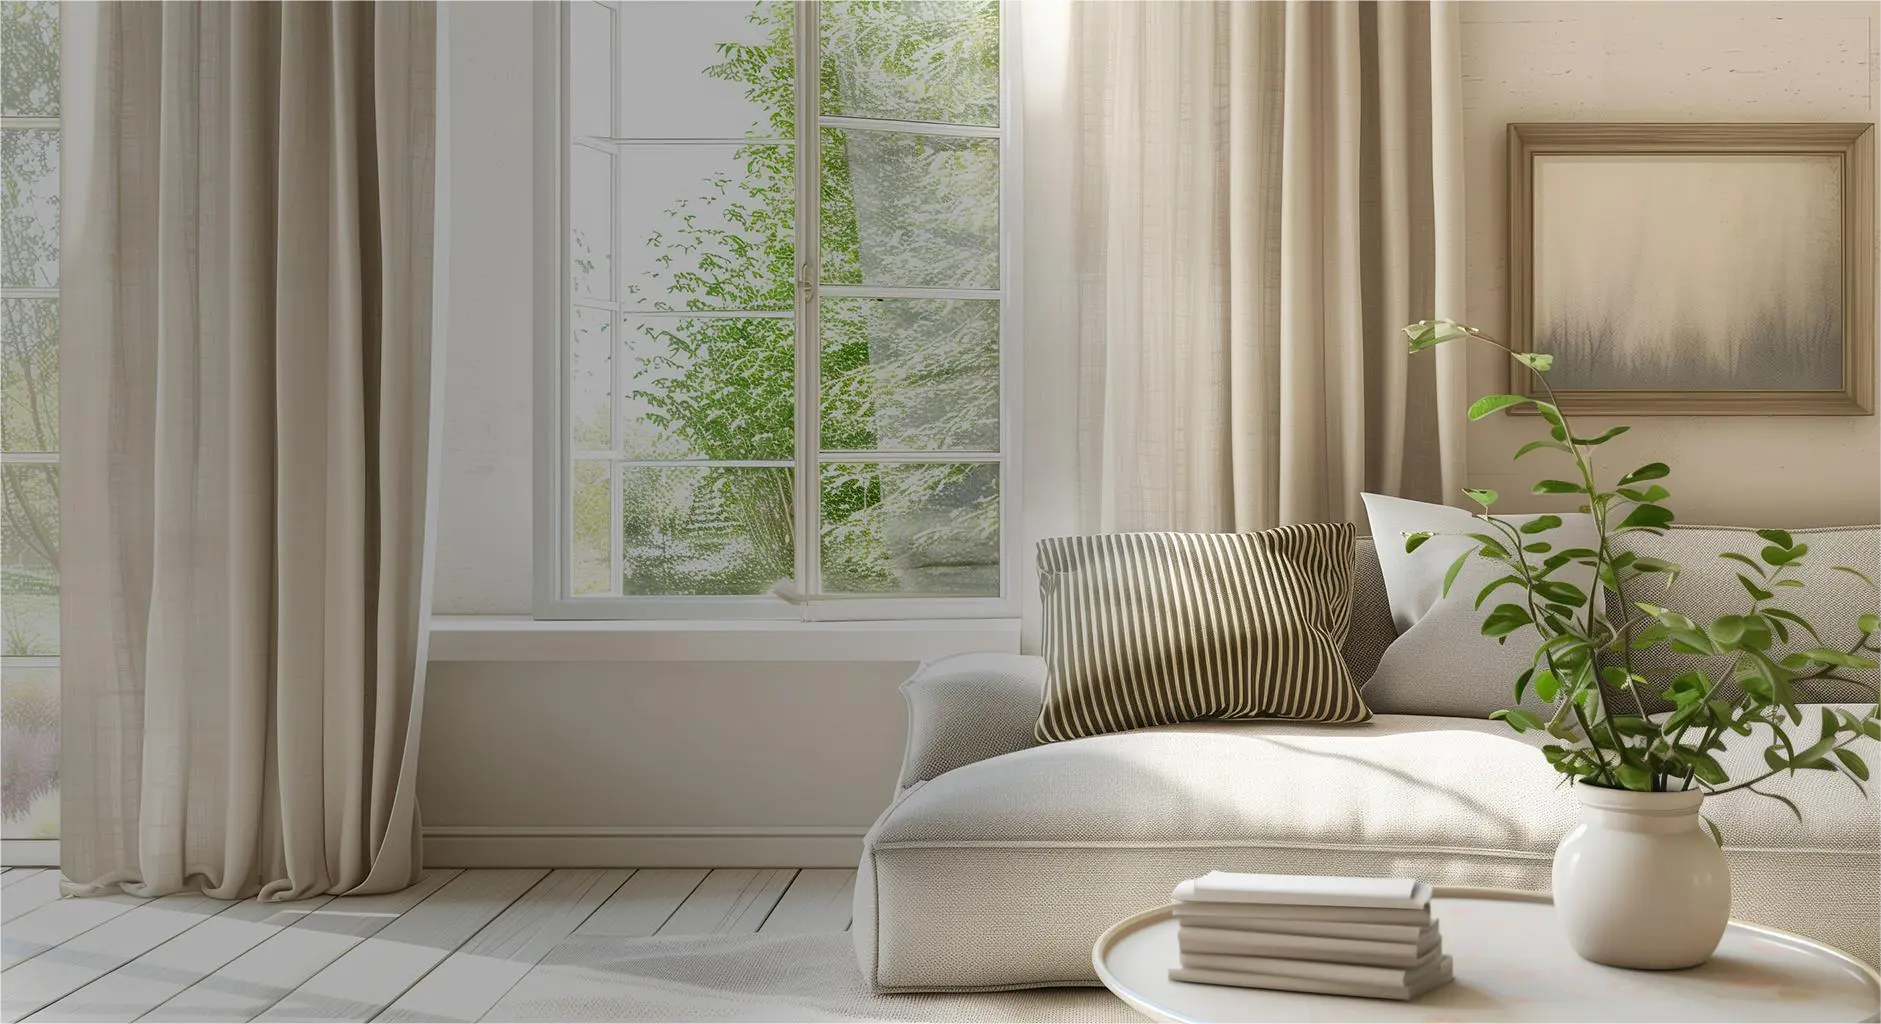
x=1639 y=883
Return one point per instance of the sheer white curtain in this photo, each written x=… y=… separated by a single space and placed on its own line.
x=247 y=359
x=1265 y=193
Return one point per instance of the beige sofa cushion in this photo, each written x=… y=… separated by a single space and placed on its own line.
x=1707 y=587
x=1001 y=873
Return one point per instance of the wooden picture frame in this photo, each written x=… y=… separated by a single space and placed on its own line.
x=1726 y=258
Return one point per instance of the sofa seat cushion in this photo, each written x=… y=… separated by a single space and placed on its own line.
x=1001 y=873
x=1399 y=780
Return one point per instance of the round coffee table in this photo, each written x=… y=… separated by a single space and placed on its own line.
x=1513 y=964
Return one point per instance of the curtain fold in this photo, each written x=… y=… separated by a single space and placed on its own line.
x=1266 y=193
x=247 y=344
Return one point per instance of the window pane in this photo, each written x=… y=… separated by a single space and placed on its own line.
x=29 y=160
x=699 y=530
x=707 y=70
x=912 y=61
x=910 y=374
x=593 y=525
x=29 y=74
x=591 y=222
x=29 y=559
x=590 y=70
x=29 y=375
x=590 y=393
x=718 y=388
x=708 y=227
x=926 y=528
x=910 y=210
x=29 y=751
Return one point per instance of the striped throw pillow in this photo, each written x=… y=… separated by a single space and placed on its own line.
x=1144 y=629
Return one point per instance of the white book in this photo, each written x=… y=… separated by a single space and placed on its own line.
x=1357 y=974
x=1281 y=912
x=1307 y=890
x=1214 y=915
x=1441 y=975
x=1191 y=939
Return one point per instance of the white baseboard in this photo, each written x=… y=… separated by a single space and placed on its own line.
x=664 y=846
x=31 y=853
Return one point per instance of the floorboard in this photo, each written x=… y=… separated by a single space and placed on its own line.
x=29 y=894
x=818 y=901
x=470 y=981
x=96 y=953
x=59 y=922
x=281 y=963
x=644 y=903
x=730 y=900
x=19 y=875
x=372 y=975
x=147 y=982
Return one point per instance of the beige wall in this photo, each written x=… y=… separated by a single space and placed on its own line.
x=1669 y=61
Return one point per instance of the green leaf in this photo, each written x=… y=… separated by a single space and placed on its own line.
x=1541 y=524
x=1557 y=427
x=1547 y=685
x=1716 y=836
x=1829 y=656
x=1456 y=567
x=1426 y=333
x=1647 y=517
x=1649 y=494
x=1557 y=487
x=1494 y=585
x=1413 y=541
x=1649 y=471
x=1634 y=777
x=1504 y=619
x=1481 y=495
x=1869 y=622
x=1785 y=801
x=1857 y=573
x=1608 y=435
x=1489 y=404
x=1793 y=618
x=1540 y=362
x=1777 y=556
x=1756 y=592
x=1728 y=630
x=1706 y=767
x=1853 y=762
x=1560 y=592
x=1519 y=719
x=1746 y=559
x=1533 y=445
x=1781 y=538
x=1521 y=681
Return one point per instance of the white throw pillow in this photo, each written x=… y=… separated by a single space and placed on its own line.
x=1441 y=664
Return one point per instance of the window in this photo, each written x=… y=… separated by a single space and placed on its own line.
x=29 y=420
x=780 y=369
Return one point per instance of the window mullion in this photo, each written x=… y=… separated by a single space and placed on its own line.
x=809 y=262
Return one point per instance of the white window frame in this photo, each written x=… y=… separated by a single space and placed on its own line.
x=553 y=297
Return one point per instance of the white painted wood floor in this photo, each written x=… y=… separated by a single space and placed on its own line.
x=446 y=949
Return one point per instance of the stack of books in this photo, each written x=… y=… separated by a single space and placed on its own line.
x=1371 y=937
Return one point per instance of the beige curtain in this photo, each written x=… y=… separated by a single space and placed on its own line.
x=1266 y=192
x=247 y=359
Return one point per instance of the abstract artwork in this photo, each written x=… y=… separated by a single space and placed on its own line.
x=1696 y=268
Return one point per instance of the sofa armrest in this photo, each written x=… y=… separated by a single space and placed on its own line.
x=968 y=708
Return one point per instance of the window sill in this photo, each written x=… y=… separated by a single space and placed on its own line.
x=521 y=638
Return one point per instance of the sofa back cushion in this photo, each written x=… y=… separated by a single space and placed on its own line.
x=1441 y=663
x=1707 y=587
x=1147 y=629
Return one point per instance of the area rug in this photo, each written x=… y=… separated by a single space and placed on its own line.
x=757 y=978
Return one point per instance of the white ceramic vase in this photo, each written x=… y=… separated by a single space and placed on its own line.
x=1640 y=883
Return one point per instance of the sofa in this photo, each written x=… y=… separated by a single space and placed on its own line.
x=1000 y=860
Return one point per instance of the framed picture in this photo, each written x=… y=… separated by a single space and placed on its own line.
x=1677 y=269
